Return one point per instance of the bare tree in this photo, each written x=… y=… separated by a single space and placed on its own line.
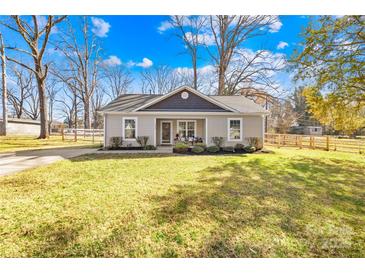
x=159 y=80
x=52 y=87
x=32 y=106
x=190 y=30
x=229 y=33
x=118 y=80
x=282 y=116
x=98 y=101
x=83 y=54
x=36 y=37
x=253 y=70
x=19 y=94
x=68 y=105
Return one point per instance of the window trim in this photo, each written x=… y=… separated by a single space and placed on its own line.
x=186 y=121
x=136 y=129
x=229 y=130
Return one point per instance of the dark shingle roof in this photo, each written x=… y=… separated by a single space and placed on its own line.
x=129 y=102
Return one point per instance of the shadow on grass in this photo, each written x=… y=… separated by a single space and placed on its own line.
x=262 y=211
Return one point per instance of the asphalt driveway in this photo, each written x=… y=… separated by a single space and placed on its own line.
x=21 y=160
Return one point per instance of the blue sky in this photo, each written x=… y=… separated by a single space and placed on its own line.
x=132 y=38
x=137 y=43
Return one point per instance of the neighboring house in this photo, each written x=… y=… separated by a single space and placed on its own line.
x=21 y=127
x=182 y=113
x=307 y=130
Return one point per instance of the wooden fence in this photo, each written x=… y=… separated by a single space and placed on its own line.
x=80 y=134
x=329 y=143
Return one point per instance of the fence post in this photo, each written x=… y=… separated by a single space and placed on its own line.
x=62 y=133
x=328 y=143
x=300 y=142
x=93 y=134
x=75 y=135
x=279 y=140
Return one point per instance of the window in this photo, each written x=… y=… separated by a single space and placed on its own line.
x=186 y=129
x=130 y=128
x=234 y=129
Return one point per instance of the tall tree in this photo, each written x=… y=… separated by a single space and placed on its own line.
x=342 y=115
x=229 y=33
x=301 y=107
x=117 y=79
x=36 y=37
x=83 y=55
x=332 y=57
x=191 y=31
x=159 y=80
x=19 y=94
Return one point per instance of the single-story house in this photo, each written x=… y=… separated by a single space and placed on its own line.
x=182 y=113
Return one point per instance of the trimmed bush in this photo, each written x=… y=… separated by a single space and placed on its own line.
x=250 y=149
x=200 y=145
x=142 y=141
x=181 y=147
x=116 y=142
x=213 y=149
x=255 y=142
x=197 y=149
x=150 y=147
x=239 y=147
x=218 y=141
x=228 y=149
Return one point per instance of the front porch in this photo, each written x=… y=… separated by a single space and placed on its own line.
x=169 y=131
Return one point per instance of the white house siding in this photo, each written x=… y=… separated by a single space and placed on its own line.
x=252 y=126
x=149 y=125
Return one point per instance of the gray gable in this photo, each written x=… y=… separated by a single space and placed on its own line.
x=193 y=103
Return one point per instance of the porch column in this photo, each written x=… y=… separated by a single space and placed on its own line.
x=206 y=131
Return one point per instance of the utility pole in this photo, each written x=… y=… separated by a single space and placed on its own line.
x=4 y=89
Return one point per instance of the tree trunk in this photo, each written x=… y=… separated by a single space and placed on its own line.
x=87 y=113
x=195 y=83
x=221 y=81
x=4 y=88
x=42 y=108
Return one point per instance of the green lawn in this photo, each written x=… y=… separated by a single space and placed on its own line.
x=288 y=203
x=17 y=143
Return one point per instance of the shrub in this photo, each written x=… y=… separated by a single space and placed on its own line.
x=213 y=149
x=239 y=147
x=218 y=141
x=116 y=142
x=250 y=149
x=181 y=147
x=150 y=147
x=200 y=145
x=142 y=141
x=255 y=142
x=197 y=149
x=228 y=149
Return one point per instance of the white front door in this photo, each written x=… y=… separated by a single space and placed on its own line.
x=166 y=132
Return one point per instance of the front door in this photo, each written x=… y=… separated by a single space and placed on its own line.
x=166 y=127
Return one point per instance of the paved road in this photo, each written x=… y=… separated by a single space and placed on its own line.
x=21 y=160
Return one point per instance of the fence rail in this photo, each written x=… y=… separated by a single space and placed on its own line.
x=329 y=143
x=79 y=134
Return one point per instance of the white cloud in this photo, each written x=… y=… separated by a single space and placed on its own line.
x=282 y=45
x=276 y=26
x=146 y=63
x=112 y=61
x=165 y=25
x=100 y=27
x=203 y=38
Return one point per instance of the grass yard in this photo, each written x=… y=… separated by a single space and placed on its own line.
x=17 y=143
x=288 y=203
